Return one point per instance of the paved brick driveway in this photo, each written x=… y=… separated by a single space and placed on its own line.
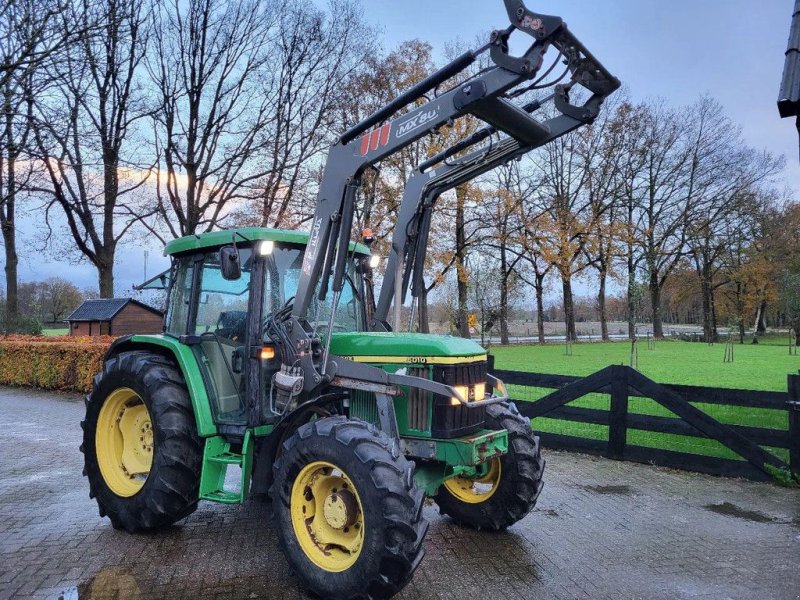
x=602 y=529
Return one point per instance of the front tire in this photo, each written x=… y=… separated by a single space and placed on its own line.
x=142 y=454
x=348 y=513
x=510 y=485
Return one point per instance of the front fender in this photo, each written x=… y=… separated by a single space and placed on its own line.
x=187 y=363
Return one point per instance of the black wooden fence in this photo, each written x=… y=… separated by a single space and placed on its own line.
x=621 y=382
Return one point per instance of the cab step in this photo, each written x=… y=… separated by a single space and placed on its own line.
x=217 y=457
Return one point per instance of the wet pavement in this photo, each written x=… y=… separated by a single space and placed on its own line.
x=602 y=529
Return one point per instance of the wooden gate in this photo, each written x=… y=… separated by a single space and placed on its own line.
x=621 y=382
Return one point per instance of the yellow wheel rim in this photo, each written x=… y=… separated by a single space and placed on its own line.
x=478 y=489
x=124 y=442
x=327 y=516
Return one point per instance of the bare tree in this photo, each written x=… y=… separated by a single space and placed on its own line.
x=85 y=132
x=601 y=146
x=506 y=233
x=30 y=35
x=211 y=112
x=566 y=220
x=314 y=67
x=720 y=185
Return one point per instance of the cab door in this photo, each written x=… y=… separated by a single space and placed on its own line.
x=220 y=328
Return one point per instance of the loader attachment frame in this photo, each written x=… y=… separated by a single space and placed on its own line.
x=487 y=96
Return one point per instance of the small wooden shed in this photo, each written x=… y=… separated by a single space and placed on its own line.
x=115 y=316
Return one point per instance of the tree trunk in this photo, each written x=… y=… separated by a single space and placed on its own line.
x=105 y=272
x=503 y=296
x=539 y=287
x=106 y=254
x=461 y=267
x=713 y=302
x=755 y=324
x=655 y=304
x=8 y=217
x=569 y=308
x=601 y=305
x=12 y=308
x=761 y=324
x=709 y=334
x=631 y=293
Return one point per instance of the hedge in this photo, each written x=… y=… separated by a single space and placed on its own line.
x=54 y=363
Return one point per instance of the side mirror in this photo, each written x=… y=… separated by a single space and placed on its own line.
x=229 y=263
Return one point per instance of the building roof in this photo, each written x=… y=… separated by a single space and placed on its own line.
x=242 y=235
x=104 y=309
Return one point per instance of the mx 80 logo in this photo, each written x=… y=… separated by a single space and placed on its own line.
x=415 y=122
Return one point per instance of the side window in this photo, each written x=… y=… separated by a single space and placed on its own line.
x=222 y=306
x=181 y=295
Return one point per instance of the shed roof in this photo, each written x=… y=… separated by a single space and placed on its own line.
x=104 y=309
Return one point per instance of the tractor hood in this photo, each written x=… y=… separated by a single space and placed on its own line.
x=413 y=348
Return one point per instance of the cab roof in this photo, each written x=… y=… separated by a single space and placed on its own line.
x=242 y=235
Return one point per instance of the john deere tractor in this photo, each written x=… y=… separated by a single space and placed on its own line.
x=275 y=362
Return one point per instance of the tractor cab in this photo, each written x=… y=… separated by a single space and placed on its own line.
x=223 y=289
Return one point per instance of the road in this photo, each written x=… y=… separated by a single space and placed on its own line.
x=602 y=529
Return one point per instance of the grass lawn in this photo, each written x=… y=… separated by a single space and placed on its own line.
x=54 y=332
x=756 y=367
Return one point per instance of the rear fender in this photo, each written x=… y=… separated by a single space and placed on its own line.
x=185 y=359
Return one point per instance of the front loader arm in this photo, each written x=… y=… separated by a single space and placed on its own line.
x=436 y=176
x=486 y=96
x=789 y=95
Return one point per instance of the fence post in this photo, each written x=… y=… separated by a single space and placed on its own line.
x=794 y=424
x=618 y=415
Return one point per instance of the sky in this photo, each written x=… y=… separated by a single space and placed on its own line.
x=732 y=50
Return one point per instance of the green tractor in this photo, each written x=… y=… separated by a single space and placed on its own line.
x=275 y=361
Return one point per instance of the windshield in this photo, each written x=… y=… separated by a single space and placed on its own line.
x=282 y=275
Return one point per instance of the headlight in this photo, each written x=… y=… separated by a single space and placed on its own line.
x=374 y=261
x=463 y=390
x=469 y=393
x=266 y=247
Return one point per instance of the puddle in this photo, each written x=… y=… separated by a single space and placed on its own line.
x=623 y=490
x=731 y=510
x=111 y=583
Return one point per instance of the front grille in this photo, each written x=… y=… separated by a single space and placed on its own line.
x=450 y=420
x=418 y=409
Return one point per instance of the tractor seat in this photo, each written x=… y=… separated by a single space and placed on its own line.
x=232 y=324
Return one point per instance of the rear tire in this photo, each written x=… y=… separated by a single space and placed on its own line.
x=168 y=490
x=515 y=478
x=335 y=456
